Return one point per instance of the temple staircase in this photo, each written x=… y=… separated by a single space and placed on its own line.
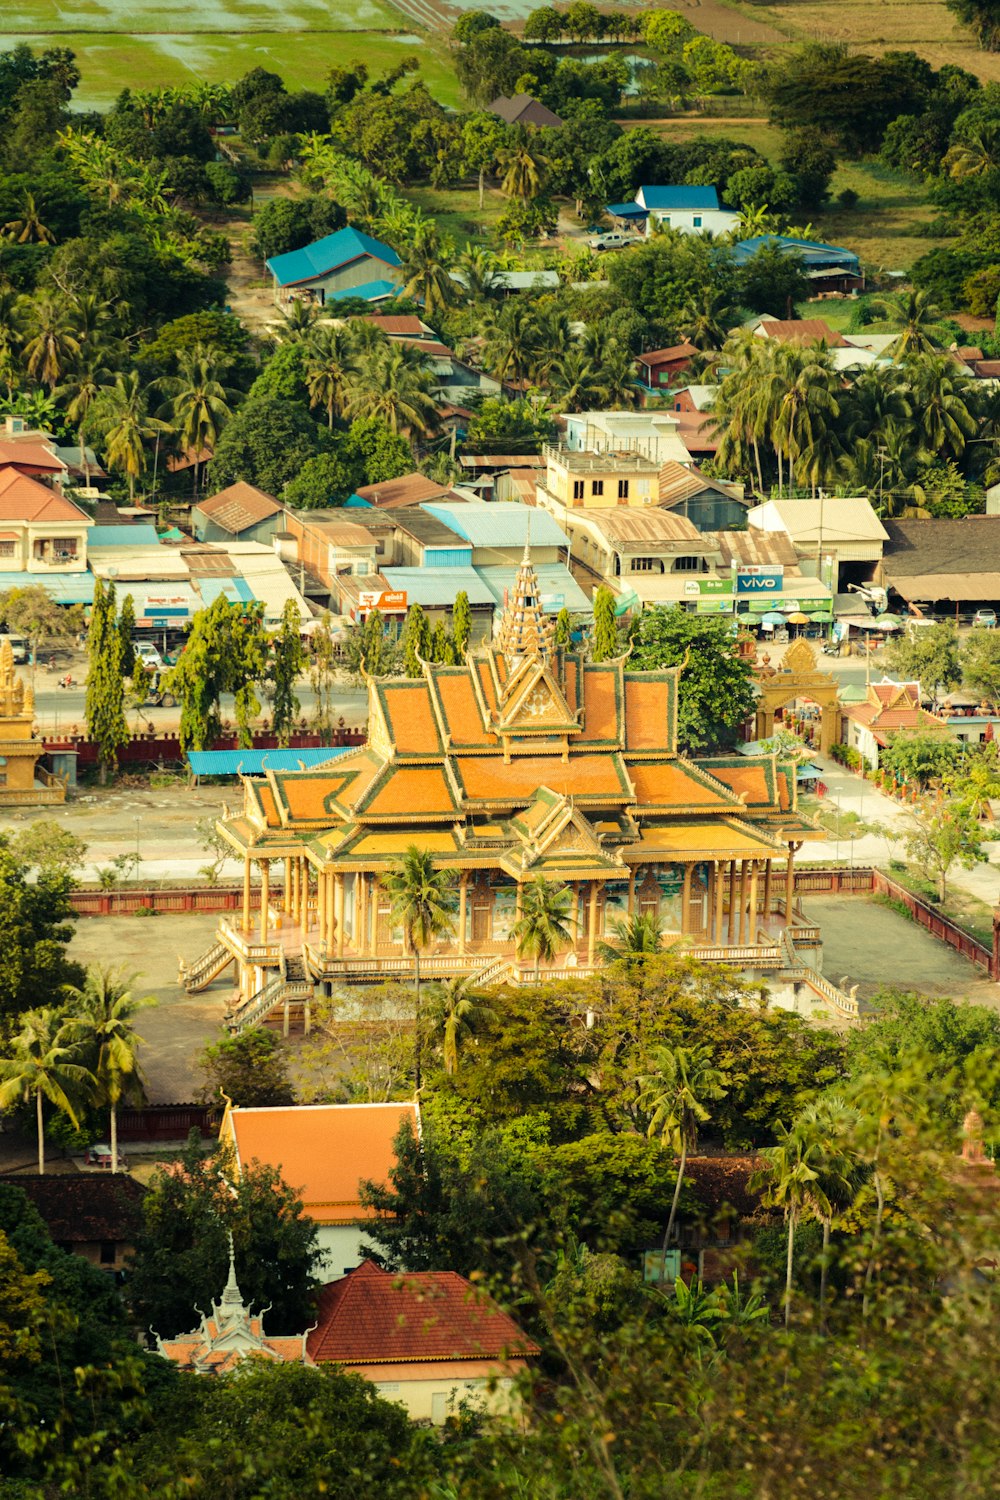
x=199 y=975
x=290 y=986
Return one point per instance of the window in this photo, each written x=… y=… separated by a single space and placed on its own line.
x=642 y=565
x=108 y=1249
x=577 y=489
x=6 y=549
x=623 y=489
x=597 y=487
x=64 y=547
x=687 y=564
x=697 y=221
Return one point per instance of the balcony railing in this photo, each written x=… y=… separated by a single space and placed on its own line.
x=244 y=946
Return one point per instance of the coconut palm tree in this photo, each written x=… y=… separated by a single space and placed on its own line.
x=542 y=928
x=917 y=319
x=478 y=269
x=52 y=345
x=976 y=155
x=805 y=424
x=392 y=382
x=102 y=1024
x=84 y=385
x=574 y=381
x=826 y=1128
x=198 y=404
x=44 y=1065
x=706 y=320
x=791 y=1181
x=945 y=399
x=459 y=1008
x=121 y=415
x=523 y=172
x=330 y=361
x=427 y=269
x=636 y=938
x=422 y=901
x=28 y=229
x=879 y=395
x=676 y=1095
x=512 y=341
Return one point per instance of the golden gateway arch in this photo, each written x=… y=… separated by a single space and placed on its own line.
x=798 y=677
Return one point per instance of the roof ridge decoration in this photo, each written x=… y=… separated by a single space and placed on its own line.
x=524 y=628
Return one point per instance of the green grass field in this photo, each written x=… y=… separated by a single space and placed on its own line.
x=147 y=45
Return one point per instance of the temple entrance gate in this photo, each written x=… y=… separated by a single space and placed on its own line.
x=798 y=677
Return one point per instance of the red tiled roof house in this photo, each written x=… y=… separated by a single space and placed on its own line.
x=427 y=1340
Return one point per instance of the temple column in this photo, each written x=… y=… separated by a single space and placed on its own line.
x=519 y=902
x=631 y=892
x=686 y=901
x=741 y=936
x=373 y=916
x=719 y=877
x=338 y=911
x=463 y=908
x=246 y=894
x=767 y=891
x=265 y=896
x=361 y=914
x=592 y=934
x=286 y=895
x=322 y=881
x=789 y=885
x=752 y=934
x=733 y=908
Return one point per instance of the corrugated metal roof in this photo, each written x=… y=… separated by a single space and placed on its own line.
x=255 y=762
x=499 y=525
x=371 y=291
x=630 y=524
x=556 y=586
x=679 y=197
x=139 y=535
x=327 y=254
x=64 y=588
x=435 y=587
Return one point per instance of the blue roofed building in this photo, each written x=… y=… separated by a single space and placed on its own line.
x=828 y=268
x=691 y=210
x=347 y=263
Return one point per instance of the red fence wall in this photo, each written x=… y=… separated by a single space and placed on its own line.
x=165 y=749
x=165 y=1122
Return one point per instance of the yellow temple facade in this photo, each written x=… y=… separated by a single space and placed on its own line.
x=23 y=782
x=523 y=761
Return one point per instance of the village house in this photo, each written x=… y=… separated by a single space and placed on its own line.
x=347 y=263
x=95 y=1215
x=660 y=367
x=888 y=708
x=429 y=1340
x=838 y=538
x=829 y=269
x=523 y=109
x=43 y=536
x=942 y=567
x=650 y=434
x=522 y=761
x=323 y=1152
x=240 y=510
x=689 y=210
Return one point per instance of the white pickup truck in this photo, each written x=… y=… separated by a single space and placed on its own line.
x=613 y=239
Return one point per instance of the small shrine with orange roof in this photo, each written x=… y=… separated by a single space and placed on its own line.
x=22 y=780
x=523 y=761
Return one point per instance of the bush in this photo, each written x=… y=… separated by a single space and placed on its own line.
x=848 y=199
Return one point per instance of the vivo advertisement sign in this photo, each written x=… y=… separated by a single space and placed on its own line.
x=759 y=580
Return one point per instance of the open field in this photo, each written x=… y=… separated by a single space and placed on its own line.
x=924 y=26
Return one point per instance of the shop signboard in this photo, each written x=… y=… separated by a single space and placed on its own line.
x=755 y=578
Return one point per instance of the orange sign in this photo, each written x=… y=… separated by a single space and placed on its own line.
x=387 y=601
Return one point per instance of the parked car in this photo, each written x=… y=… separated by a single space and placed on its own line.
x=613 y=239
x=985 y=619
x=149 y=658
x=18 y=646
x=100 y=1156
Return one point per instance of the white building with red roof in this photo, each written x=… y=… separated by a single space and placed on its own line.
x=428 y=1340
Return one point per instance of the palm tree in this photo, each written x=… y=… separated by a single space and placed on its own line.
x=512 y=341
x=428 y=270
x=523 y=172
x=976 y=155
x=103 y=1025
x=676 y=1095
x=300 y=319
x=52 y=346
x=392 y=382
x=422 y=901
x=825 y=1128
x=80 y=391
x=122 y=415
x=542 y=927
x=706 y=320
x=329 y=364
x=917 y=319
x=460 y=1007
x=945 y=399
x=574 y=381
x=197 y=406
x=805 y=424
x=636 y=938
x=880 y=394
x=791 y=1181
x=478 y=269
x=43 y=1066
x=29 y=229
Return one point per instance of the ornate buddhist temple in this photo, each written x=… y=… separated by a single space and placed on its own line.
x=523 y=761
x=23 y=782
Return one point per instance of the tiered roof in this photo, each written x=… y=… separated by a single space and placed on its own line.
x=528 y=759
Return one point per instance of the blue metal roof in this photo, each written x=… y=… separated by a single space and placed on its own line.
x=328 y=254
x=371 y=291
x=211 y=588
x=255 y=762
x=500 y=524
x=627 y=210
x=811 y=252
x=679 y=197
x=436 y=587
x=556 y=587
x=355 y=502
x=64 y=588
x=140 y=535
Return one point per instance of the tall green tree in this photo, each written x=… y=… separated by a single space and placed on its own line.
x=458 y=1008
x=330 y=363
x=105 y=699
x=126 y=633
x=101 y=1023
x=198 y=405
x=676 y=1095
x=119 y=418
x=715 y=690
x=43 y=1065
x=564 y=634
x=416 y=640
x=51 y=347
x=461 y=624
x=423 y=902
x=226 y=653
x=605 y=640
x=285 y=663
x=544 y=925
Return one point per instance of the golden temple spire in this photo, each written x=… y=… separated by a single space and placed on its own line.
x=525 y=630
